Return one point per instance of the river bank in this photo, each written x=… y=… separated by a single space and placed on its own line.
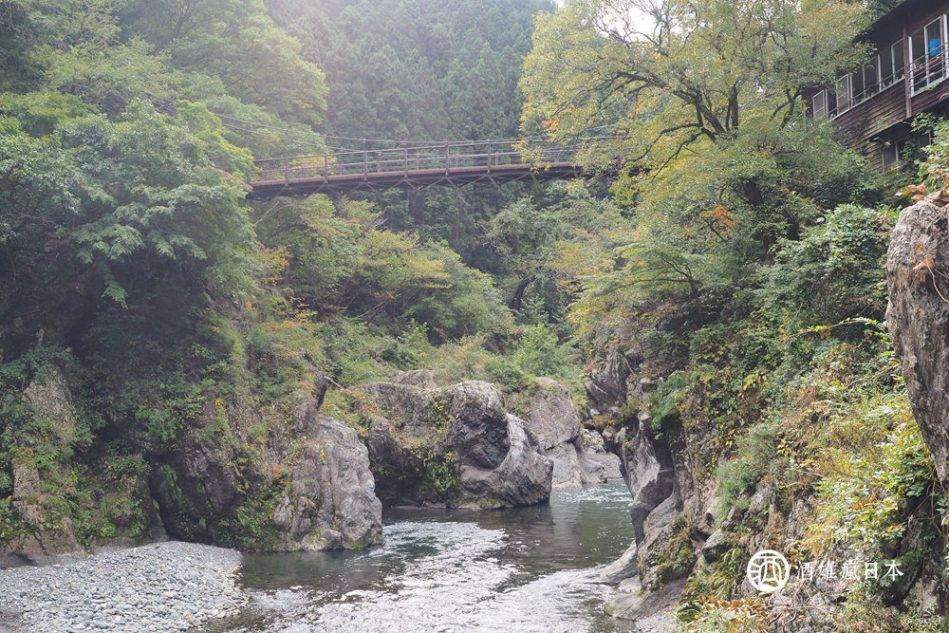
x=170 y=586
x=536 y=568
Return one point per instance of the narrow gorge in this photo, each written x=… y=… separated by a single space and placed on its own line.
x=617 y=316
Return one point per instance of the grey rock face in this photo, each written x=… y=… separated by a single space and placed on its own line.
x=457 y=446
x=620 y=569
x=522 y=478
x=551 y=416
x=331 y=501
x=917 y=271
x=649 y=611
x=397 y=469
x=424 y=378
x=649 y=476
x=568 y=472
x=715 y=545
x=479 y=424
x=499 y=462
x=578 y=454
x=325 y=487
x=606 y=387
x=596 y=463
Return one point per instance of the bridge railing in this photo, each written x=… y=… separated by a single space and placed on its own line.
x=407 y=160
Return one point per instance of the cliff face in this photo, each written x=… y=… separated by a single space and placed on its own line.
x=304 y=485
x=917 y=272
x=771 y=433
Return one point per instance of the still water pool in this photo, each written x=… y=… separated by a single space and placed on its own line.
x=526 y=569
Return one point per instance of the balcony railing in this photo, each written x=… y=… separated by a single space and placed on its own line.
x=929 y=69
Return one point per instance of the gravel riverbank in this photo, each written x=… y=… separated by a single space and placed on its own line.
x=156 y=587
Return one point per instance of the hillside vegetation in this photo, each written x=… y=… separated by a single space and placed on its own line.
x=717 y=293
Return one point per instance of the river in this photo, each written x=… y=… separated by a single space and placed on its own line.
x=525 y=569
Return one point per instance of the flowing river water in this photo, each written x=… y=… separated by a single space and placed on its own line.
x=526 y=569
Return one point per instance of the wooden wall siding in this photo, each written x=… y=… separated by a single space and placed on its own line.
x=873 y=116
x=928 y=99
x=874 y=153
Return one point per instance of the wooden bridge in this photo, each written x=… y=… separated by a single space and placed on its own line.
x=452 y=163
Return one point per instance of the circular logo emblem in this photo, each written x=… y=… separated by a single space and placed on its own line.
x=768 y=571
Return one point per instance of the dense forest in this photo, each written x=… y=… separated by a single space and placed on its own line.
x=716 y=291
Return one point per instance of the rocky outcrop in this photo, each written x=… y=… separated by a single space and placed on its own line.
x=330 y=501
x=64 y=497
x=917 y=270
x=284 y=477
x=647 y=611
x=597 y=464
x=309 y=487
x=577 y=454
x=652 y=571
x=606 y=386
x=51 y=417
x=457 y=446
x=648 y=470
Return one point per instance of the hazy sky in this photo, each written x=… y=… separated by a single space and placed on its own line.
x=640 y=20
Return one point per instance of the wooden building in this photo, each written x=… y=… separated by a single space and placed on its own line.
x=871 y=107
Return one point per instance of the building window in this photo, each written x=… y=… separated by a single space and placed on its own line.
x=843 y=94
x=871 y=77
x=881 y=72
x=891 y=155
x=928 y=54
x=896 y=52
x=819 y=105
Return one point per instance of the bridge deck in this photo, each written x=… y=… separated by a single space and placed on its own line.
x=328 y=183
x=454 y=164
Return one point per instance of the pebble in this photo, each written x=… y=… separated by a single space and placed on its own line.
x=157 y=587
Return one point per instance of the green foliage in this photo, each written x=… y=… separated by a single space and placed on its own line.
x=870 y=490
x=755 y=454
x=748 y=282
x=934 y=170
x=833 y=272
x=719 y=580
x=236 y=41
x=253 y=527
x=338 y=263
x=441 y=476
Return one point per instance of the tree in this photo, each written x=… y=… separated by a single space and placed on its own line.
x=691 y=73
x=703 y=105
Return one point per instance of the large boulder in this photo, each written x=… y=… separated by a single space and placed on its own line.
x=550 y=414
x=455 y=447
x=330 y=502
x=309 y=487
x=917 y=272
x=409 y=441
x=480 y=427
